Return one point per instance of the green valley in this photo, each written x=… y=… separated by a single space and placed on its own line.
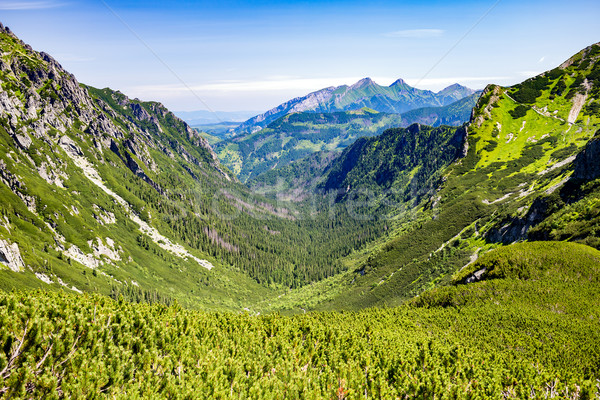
x=385 y=242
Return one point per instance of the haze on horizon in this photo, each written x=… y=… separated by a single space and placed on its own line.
x=240 y=55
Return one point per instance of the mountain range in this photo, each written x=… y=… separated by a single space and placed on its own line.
x=298 y=135
x=129 y=191
x=130 y=226
x=397 y=98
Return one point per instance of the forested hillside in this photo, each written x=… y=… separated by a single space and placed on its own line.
x=103 y=193
x=527 y=172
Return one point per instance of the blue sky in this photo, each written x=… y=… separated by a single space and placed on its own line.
x=238 y=55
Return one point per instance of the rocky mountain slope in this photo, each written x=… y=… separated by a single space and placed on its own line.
x=114 y=195
x=75 y=164
x=397 y=98
x=102 y=193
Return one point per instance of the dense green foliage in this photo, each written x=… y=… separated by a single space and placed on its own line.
x=530 y=90
x=407 y=162
x=518 y=335
x=575 y=216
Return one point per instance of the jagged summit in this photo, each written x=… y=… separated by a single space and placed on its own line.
x=363 y=83
x=399 y=82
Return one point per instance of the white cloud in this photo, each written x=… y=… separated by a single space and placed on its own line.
x=440 y=83
x=542 y=59
x=28 y=5
x=416 y=33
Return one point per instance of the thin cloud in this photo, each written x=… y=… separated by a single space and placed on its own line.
x=464 y=80
x=28 y=5
x=268 y=85
x=542 y=59
x=416 y=33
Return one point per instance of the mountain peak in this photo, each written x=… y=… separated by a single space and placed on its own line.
x=454 y=86
x=363 y=83
x=456 y=90
x=399 y=82
x=397 y=98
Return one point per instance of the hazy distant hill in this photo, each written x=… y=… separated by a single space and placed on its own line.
x=204 y=117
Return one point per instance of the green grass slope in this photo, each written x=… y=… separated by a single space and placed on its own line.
x=528 y=329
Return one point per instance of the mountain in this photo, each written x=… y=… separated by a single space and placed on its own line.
x=401 y=163
x=297 y=135
x=295 y=179
x=102 y=193
x=397 y=98
x=106 y=194
x=120 y=198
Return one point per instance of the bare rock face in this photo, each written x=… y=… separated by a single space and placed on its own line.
x=516 y=229
x=70 y=146
x=11 y=256
x=587 y=162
